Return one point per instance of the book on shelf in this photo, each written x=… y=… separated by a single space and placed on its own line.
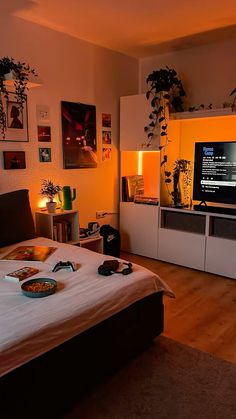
x=31 y=253
x=131 y=186
x=62 y=231
x=21 y=274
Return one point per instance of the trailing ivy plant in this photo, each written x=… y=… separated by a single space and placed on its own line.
x=166 y=93
x=21 y=73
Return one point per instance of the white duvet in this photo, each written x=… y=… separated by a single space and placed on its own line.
x=32 y=326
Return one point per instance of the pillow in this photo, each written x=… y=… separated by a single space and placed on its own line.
x=16 y=220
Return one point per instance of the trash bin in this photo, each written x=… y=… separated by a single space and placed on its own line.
x=111 y=240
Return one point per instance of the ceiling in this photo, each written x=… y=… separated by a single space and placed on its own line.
x=138 y=28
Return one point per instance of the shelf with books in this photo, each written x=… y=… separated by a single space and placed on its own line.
x=60 y=226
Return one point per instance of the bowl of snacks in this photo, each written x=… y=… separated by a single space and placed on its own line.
x=39 y=287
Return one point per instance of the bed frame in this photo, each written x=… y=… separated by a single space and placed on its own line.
x=49 y=385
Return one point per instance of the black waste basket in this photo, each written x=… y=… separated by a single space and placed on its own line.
x=111 y=240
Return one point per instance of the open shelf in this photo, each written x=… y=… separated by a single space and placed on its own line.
x=205 y=113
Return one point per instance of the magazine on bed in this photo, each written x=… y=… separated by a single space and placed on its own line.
x=31 y=253
x=21 y=274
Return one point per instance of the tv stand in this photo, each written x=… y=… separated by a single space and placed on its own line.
x=198 y=240
x=214 y=209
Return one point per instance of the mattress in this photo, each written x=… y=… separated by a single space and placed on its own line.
x=30 y=327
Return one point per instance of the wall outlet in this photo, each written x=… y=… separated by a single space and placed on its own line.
x=100 y=214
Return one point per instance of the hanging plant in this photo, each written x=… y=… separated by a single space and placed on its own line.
x=20 y=73
x=166 y=93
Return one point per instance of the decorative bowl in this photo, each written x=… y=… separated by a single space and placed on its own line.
x=39 y=287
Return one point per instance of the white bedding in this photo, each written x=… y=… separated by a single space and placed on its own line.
x=32 y=326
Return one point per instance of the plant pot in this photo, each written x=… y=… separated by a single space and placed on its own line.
x=51 y=206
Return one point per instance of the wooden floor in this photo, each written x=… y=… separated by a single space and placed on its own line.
x=203 y=314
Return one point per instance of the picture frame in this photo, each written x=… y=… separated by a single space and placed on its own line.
x=45 y=155
x=106 y=137
x=79 y=140
x=44 y=133
x=106 y=120
x=14 y=160
x=16 y=120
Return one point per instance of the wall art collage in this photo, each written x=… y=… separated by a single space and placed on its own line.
x=79 y=141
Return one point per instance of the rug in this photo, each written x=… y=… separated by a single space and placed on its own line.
x=169 y=380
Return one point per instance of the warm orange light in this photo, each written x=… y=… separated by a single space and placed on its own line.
x=140 y=162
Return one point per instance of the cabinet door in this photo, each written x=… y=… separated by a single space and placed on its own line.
x=139 y=228
x=220 y=257
x=181 y=248
x=134 y=116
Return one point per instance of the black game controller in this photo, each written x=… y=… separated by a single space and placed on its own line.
x=70 y=266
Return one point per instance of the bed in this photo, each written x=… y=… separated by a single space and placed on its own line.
x=92 y=325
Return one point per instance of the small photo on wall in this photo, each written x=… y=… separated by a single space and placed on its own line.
x=44 y=133
x=106 y=120
x=106 y=153
x=106 y=137
x=14 y=159
x=45 y=155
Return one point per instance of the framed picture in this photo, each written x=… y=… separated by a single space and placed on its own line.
x=106 y=120
x=44 y=133
x=79 y=135
x=106 y=153
x=14 y=159
x=45 y=154
x=16 y=120
x=106 y=137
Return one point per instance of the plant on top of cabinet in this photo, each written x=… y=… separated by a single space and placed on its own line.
x=19 y=72
x=166 y=92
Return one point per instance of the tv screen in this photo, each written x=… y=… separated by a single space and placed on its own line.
x=215 y=172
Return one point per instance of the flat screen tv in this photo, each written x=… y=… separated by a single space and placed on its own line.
x=215 y=172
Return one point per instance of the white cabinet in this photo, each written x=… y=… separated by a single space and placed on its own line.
x=182 y=238
x=139 y=228
x=134 y=116
x=180 y=248
x=221 y=246
x=59 y=226
x=64 y=227
x=199 y=240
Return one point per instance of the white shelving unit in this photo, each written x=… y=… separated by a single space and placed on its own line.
x=45 y=223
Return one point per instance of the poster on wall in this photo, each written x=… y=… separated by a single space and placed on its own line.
x=78 y=135
x=16 y=120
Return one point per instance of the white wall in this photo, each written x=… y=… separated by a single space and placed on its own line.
x=77 y=71
x=207 y=72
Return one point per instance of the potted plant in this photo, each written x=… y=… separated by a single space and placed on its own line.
x=19 y=72
x=181 y=182
x=49 y=189
x=166 y=92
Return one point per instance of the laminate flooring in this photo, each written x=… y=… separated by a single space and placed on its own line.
x=203 y=314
